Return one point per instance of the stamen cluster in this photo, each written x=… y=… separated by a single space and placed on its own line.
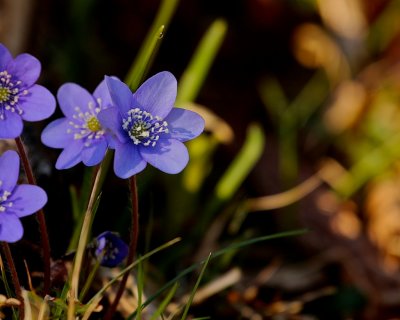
x=144 y=128
x=10 y=92
x=85 y=125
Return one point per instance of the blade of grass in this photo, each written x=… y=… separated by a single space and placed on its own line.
x=243 y=163
x=151 y=43
x=194 y=75
x=7 y=286
x=217 y=254
x=140 y=286
x=189 y=303
x=165 y=302
x=131 y=266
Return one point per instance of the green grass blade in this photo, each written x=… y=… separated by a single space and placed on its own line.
x=242 y=164
x=217 y=254
x=189 y=303
x=164 y=303
x=131 y=266
x=151 y=43
x=194 y=75
x=140 y=286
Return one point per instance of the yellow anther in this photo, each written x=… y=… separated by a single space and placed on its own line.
x=93 y=124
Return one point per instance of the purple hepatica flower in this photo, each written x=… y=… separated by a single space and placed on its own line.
x=110 y=249
x=146 y=126
x=79 y=133
x=20 y=98
x=16 y=201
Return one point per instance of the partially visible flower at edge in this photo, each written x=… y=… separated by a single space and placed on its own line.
x=20 y=98
x=79 y=133
x=146 y=126
x=16 y=201
x=110 y=248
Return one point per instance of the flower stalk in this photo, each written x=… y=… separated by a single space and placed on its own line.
x=40 y=217
x=132 y=246
x=14 y=276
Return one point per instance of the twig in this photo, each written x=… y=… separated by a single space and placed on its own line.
x=40 y=217
x=132 y=247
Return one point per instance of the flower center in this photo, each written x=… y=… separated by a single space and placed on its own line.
x=4 y=94
x=10 y=94
x=144 y=128
x=3 y=200
x=85 y=125
x=93 y=124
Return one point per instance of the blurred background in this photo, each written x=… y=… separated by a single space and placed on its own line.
x=302 y=105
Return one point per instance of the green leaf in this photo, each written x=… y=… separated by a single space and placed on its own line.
x=194 y=75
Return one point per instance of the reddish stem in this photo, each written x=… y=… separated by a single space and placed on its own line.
x=14 y=277
x=132 y=247
x=40 y=217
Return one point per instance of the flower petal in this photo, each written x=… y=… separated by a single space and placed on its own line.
x=102 y=93
x=157 y=94
x=184 y=124
x=55 y=134
x=27 y=199
x=5 y=57
x=11 y=229
x=94 y=154
x=110 y=119
x=9 y=170
x=71 y=96
x=170 y=156
x=70 y=156
x=11 y=126
x=121 y=95
x=127 y=160
x=39 y=104
x=26 y=68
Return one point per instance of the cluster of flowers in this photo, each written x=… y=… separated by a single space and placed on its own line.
x=142 y=127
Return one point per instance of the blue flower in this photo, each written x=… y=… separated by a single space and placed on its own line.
x=16 y=201
x=147 y=128
x=79 y=133
x=110 y=249
x=20 y=98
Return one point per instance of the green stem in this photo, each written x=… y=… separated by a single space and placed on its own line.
x=132 y=246
x=39 y=215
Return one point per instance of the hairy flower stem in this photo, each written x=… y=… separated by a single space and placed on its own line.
x=132 y=246
x=14 y=276
x=39 y=216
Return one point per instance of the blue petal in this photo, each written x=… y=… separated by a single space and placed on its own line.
x=27 y=199
x=55 y=134
x=11 y=229
x=110 y=120
x=121 y=95
x=103 y=94
x=70 y=156
x=184 y=124
x=93 y=154
x=26 y=68
x=9 y=170
x=11 y=126
x=39 y=104
x=5 y=57
x=170 y=156
x=127 y=160
x=157 y=95
x=71 y=96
